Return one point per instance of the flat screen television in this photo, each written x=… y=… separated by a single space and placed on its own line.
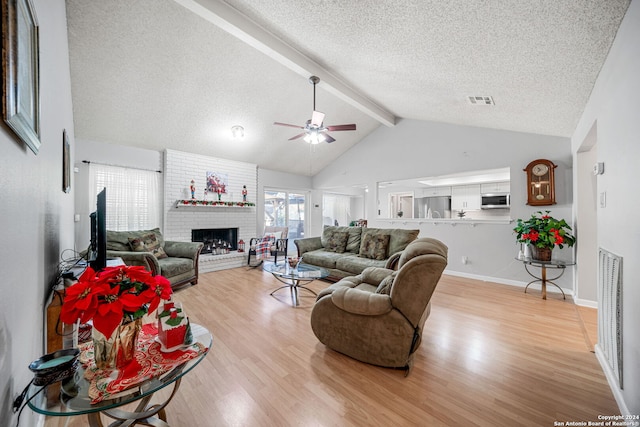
x=97 y=253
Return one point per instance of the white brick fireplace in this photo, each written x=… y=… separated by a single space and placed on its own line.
x=180 y=169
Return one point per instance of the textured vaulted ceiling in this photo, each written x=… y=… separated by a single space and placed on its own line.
x=180 y=73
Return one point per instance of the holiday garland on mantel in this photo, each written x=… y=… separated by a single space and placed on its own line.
x=194 y=202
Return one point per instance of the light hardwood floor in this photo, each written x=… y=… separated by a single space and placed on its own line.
x=491 y=355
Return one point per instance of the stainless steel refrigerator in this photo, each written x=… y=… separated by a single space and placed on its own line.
x=440 y=207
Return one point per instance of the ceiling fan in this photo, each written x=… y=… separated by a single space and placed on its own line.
x=315 y=131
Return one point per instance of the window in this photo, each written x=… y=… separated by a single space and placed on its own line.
x=284 y=209
x=133 y=196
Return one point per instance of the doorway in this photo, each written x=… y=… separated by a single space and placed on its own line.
x=587 y=222
x=401 y=205
x=286 y=209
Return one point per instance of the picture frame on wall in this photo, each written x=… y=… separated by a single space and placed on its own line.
x=217 y=182
x=66 y=162
x=20 y=71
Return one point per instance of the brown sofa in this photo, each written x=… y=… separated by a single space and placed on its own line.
x=353 y=258
x=378 y=316
x=179 y=266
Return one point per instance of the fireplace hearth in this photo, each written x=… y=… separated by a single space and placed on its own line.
x=216 y=240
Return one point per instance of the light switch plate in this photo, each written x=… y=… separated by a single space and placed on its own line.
x=603 y=199
x=598 y=168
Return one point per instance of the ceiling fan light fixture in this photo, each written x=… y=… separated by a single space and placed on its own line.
x=314 y=137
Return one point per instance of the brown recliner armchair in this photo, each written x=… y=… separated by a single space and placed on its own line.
x=377 y=316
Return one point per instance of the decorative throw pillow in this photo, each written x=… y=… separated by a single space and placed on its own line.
x=148 y=243
x=137 y=245
x=385 y=286
x=153 y=244
x=374 y=245
x=337 y=241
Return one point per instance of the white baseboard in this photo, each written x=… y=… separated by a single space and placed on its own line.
x=613 y=384
x=586 y=303
x=568 y=292
x=520 y=284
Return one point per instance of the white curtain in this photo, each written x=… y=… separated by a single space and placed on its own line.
x=133 y=196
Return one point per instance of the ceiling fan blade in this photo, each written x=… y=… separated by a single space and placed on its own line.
x=297 y=136
x=287 y=124
x=317 y=118
x=327 y=138
x=333 y=128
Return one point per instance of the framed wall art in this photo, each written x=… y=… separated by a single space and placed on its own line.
x=217 y=182
x=66 y=162
x=20 y=71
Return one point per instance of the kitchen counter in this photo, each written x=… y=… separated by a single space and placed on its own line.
x=447 y=221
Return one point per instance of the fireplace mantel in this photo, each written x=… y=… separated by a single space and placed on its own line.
x=212 y=204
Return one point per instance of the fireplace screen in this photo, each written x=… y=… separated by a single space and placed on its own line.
x=216 y=240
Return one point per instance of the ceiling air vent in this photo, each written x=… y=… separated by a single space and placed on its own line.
x=481 y=100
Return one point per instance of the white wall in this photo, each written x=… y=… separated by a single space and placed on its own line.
x=419 y=149
x=613 y=106
x=36 y=217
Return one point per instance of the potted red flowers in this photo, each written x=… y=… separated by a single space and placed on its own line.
x=116 y=299
x=543 y=233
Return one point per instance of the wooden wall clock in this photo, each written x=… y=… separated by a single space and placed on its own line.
x=540 y=183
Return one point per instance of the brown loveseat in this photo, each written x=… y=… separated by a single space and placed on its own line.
x=364 y=247
x=177 y=261
x=378 y=316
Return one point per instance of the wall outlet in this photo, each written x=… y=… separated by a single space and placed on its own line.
x=465 y=260
x=603 y=199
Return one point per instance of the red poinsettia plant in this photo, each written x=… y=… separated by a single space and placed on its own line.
x=544 y=231
x=113 y=296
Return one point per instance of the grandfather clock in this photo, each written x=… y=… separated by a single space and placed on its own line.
x=540 y=183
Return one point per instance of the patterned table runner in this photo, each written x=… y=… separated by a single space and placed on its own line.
x=148 y=362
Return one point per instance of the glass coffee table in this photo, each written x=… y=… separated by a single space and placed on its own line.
x=295 y=278
x=71 y=397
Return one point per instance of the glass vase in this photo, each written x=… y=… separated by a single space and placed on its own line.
x=117 y=350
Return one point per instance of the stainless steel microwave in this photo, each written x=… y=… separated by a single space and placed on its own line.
x=496 y=201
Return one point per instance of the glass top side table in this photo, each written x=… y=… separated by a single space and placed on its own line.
x=560 y=265
x=74 y=396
